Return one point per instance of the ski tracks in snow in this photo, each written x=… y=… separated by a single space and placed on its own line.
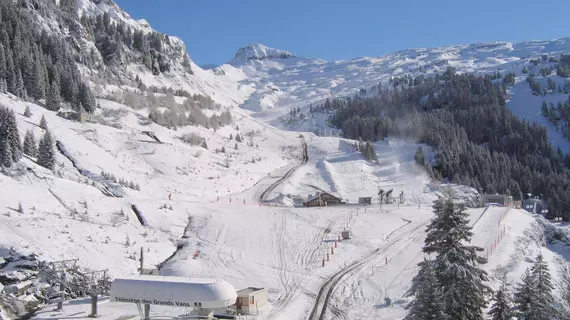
x=294 y=263
x=327 y=290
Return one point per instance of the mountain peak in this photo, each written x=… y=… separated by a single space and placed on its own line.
x=257 y=51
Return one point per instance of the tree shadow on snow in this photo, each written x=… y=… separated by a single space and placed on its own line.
x=399 y=302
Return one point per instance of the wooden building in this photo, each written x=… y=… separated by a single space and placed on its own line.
x=322 y=199
x=250 y=300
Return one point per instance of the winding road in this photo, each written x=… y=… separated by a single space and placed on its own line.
x=288 y=174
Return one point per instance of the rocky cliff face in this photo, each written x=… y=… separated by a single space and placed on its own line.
x=258 y=51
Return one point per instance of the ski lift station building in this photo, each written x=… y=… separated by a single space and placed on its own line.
x=207 y=294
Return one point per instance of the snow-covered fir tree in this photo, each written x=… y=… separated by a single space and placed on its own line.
x=43 y=123
x=20 y=89
x=38 y=85
x=27 y=112
x=53 y=99
x=533 y=298
x=46 y=152
x=9 y=136
x=524 y=295
x=541 y=306
x=420 y=157
x=427 y=304
x=501 y=308
x=5 y=154
x=30 y=144
x=462 y=282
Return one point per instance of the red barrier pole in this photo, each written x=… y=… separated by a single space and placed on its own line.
x=323 y=262
x=332 y=251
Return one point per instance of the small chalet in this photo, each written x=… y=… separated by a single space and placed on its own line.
x=534 y=206
x=322 y=199
x=249 y=300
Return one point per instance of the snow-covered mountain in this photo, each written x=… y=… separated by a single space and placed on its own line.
x=297 y=81
x=200 y=185
x=258 y=51
x=279 y=83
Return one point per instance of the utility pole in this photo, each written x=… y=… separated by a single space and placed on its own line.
x=141 y=261
x=94 y=300
x=61 y=292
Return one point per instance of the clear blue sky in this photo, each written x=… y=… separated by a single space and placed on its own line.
x=339 y=29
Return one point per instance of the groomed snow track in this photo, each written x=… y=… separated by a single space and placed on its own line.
x=288 y=174
x=326 y=291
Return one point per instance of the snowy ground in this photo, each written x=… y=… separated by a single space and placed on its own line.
x=66 y=217
x=285 y=252
x=190 y=174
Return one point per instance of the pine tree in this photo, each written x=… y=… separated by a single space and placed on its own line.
x=53 y=100
x=86 y=98
x=46 y=152
x=6 y=154
x=30 y=146
x=43 y=123
x=544 y=109
x=427 y=304
x=501 y=308
x=10 y=71
x=420 y=157
x=462 y=282
x=524 y=296
x=20 y=88
x=38 y=84
x=525 y=70
x=541 y=306
x=2 y=62
x=27 y=112
x=9 y=134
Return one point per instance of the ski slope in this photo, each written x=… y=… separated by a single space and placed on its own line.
x=214 y=207
x=216 y=211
